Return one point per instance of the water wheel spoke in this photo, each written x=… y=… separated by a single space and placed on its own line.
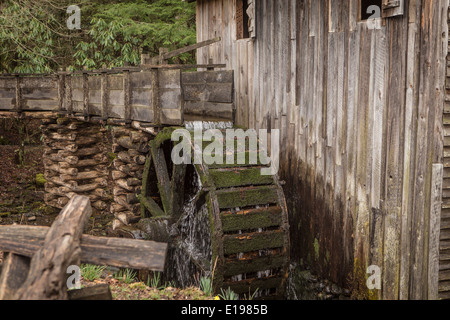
x=145 y=186
x=151 y=206
x=164 y=183
x=177 y=188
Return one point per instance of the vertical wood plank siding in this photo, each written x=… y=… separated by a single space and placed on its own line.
x=359 y=106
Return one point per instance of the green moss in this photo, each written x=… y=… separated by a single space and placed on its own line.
x=40 y=180
x=327 y=257
x=162 y=137
x=316 y=249
x=360 y=290
x=5 y=214
x=262 y=218
x=252 y=242
x=112 y=156
x=248 y=197
x=235 y=178
x=61 y=121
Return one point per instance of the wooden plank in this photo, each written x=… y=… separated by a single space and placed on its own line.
x=408 y=149
x=18 y=105
x=425 y=136
x=193 y=47
x=249 y=242
x=104 y=94
x=239 y=177
x=209 y=109
x=85 y=95
x=435 y=219
x=243 y=197
x=114 y=252
x=394 y=156
x=98 y=292
x=251 y=219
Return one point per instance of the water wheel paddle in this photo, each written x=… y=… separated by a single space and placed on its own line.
x=235 y=228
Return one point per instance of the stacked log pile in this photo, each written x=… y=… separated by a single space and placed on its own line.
x=131 y=148
x=75 y=162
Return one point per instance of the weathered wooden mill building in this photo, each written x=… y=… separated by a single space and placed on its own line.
x=363 y=111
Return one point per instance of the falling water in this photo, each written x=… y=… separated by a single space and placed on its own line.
x=209 y=125
x=191 y=253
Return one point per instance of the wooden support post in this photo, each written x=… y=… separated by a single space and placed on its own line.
x=69 y=101
x=105 y=91
x=86 y=95
x=18 y=107
x=162 y=59
x=61 y=249
x=144 y=58
x=155 y=97
x=127 y=96
x=210 y=62
x=61 y=92
x=164 y=184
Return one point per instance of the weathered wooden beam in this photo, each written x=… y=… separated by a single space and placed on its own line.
x=46 y=279
x=85 y=95
x=114 y=252
x=182 y=66
x=162 y=173
x=127 y=96
x=61 y=91
x=30 y=115
x=190 y=48
x=13 y=274
x=18 y=107
x=156 y=104
x=98 y=292
x=151 y=206
x=105 y=95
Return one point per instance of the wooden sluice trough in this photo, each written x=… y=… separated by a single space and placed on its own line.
x=154 y=94
x=37 y=258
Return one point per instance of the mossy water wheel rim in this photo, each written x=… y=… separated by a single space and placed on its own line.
x=249 y=232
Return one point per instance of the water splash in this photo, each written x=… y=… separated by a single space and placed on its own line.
x=208 y=125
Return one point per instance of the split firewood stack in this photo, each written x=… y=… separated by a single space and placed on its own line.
x=130 y=148
x=53 y=250
x=75 y=161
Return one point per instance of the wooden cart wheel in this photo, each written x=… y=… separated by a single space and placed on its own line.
x=236 y=230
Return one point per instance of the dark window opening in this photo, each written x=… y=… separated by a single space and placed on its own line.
x=242 y=20
x=370 y=13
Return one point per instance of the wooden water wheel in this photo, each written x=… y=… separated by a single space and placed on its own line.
x=246 y=220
